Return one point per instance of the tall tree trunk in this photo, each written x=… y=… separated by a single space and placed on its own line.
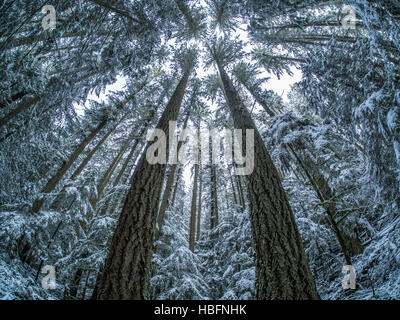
x=177 y=181
x=52 y=183
x=235 y=199
x=169 y=184
x=90 y=155
x=107 y=176
x=268 y=109
x=214 y=196
x=121 y=172
x=82 y=166
x=239 y=189
x=192 y=222
x=128 y=265
x=125 y=179
x=324 y=193
x=199 y=202
x=241 y=192
x=193 y=211
x=20 y=107
x=282 y=270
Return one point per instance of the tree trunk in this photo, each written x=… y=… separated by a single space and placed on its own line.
x=192 y=223
x=169 y=184
x=107 y=176
x=214 y=196
x=52 y=183
x=241 y=192
x=260 y=101
x=233 y=190
x=128 y=265
x=79 y=170
x=22 y=106
x=199 y=203
x=282 y=270
x=75 y=284
x=90 y=155
x=324 y=193
x=177 y=181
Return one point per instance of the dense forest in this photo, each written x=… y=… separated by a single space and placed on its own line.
x=90 y=209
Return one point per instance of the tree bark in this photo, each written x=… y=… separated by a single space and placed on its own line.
x=168 y=186
x=282 y=270
x=127 y=269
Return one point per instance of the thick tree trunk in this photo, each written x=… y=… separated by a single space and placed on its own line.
x=128 y=265
x=282 y=270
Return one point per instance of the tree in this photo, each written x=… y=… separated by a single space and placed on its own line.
x=277 y=240
x=131 y=246
x=193 y=209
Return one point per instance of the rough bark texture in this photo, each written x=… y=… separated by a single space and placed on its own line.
x=128 y=265
x=282 y=270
